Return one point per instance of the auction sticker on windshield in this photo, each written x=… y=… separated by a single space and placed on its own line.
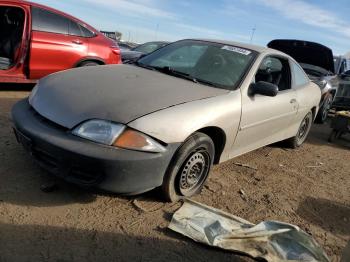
x=236 y=49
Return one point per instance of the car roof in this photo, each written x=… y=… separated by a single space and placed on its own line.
x=259 y=49
x=52 y=10
x=156 y=42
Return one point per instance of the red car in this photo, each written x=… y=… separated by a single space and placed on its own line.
x=36 y=40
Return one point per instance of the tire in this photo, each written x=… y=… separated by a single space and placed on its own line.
x=189 y=168
x=88 y=63
x=323 y=112
x=336 y=134
x=304 y=129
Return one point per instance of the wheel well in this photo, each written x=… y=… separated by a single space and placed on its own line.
x=90 y=60
x=333 y=91
x=219 y=138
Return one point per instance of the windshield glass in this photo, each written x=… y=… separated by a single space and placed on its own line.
x=209 y=63
x=336 y=63
x=148 y=47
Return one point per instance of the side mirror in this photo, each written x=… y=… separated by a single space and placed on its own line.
x=263 y=88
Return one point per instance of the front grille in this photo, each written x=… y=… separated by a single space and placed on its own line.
x=45 y=159
x=84 y=175
x=76 y=173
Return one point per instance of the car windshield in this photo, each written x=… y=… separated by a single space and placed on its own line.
x=208 y=63
x=148 y=47
x=336 y=63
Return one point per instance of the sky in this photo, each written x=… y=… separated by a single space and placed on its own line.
x=323 y=21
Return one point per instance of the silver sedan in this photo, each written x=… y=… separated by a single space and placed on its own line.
x=166 y=119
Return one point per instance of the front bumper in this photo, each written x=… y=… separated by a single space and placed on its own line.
x=85 y=163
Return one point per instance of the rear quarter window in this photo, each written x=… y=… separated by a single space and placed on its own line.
x=299 y=75
x=87 y=32
x=78 y=30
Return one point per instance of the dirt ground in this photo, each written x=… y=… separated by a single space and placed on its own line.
x=308 y=187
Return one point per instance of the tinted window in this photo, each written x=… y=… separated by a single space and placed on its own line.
x=87 y=32
x=47 y=21
x=300 y=77
x=276 y=71
x=75 y=29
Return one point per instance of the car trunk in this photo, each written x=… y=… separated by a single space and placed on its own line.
x=12 y=25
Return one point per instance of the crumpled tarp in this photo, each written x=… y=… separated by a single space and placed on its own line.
x=270 y=240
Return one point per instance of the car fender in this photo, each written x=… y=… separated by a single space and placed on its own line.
x=309 y=97
x=175 y=124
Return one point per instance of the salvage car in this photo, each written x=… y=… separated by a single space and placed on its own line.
x=318 y=63
x=163 y=122
x=36 y=40
x=135 y=53
x=341 y=65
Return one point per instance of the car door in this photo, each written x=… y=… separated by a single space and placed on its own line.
x=265 y=119
x=14 y=39
x=54 y=46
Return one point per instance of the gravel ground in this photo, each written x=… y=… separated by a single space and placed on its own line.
x=308 y=187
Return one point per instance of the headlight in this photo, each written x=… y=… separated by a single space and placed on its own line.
x=32 y=94
x=113 y=134
x=99 y=131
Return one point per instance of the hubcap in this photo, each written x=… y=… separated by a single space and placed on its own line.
x=194 y=172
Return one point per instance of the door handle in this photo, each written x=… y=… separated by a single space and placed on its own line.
x=293 y=101
x=78 y=42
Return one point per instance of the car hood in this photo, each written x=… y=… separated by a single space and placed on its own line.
x=119 y=93
x=306 y=52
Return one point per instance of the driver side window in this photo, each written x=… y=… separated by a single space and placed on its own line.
x=275 y=70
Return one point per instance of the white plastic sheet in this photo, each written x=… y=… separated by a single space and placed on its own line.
x=271 y=240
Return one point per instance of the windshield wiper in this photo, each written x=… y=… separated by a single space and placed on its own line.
x=171 y=71
x=208 y=83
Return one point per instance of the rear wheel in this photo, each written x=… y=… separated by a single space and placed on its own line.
x=88 y=63
x=189 y=168
x=303 y=132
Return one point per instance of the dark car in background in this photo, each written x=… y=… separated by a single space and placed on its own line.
x=341 y=65
x=318 y=63
x=124 y=46
x=135 y=53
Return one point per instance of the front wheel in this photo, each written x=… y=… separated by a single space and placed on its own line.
x=324 y=110
x=303 y=132
x=189 y=169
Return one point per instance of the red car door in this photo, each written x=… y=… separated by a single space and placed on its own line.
x=12 y=62
x=56 y=43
